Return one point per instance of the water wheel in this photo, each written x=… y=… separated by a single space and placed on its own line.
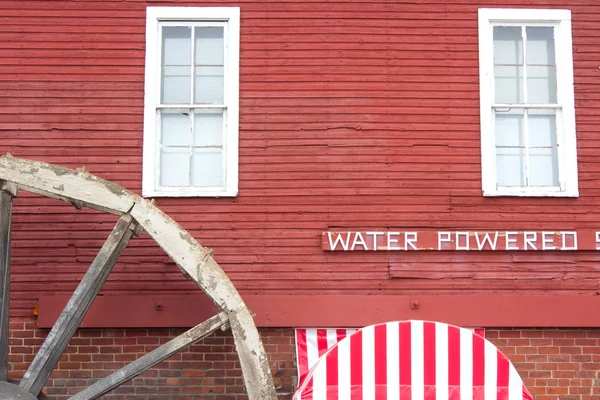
x=136 y=215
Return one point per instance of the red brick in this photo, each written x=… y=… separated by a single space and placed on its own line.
x=21 y=334
x=133 y=349
x=80 y=357
x=126 y=357
x=510 y=334
x=110 y=349
x=517 y=342
x=14 y=324
x=541 y=342
x=563 y=374
x=580 y=390
x=95 y=333
x=529 y=333
x=103 y=357
x=103 y=341
x=20 y=350
x=557 y=390
x=147 y=340
x=559 y=358
x=570 y=350
x=581 y=358
x=549 y=333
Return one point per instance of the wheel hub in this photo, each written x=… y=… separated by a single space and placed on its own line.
x=10 y=391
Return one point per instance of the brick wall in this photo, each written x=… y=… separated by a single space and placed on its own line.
x=208 y=370
x=556 y=364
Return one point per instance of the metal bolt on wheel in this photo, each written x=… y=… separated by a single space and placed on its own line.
x=136 y=215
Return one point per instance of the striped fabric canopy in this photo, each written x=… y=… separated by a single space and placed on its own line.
x=413 y=360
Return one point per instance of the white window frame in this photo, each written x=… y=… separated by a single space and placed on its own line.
x=566 y=134
x=151 y=154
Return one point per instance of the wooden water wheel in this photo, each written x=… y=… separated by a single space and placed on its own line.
x=136 y=215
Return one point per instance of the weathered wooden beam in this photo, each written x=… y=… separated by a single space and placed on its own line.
x=151 y=359
x=7 y=192
x=78 y=187
x=253 y=359
x=62 y=332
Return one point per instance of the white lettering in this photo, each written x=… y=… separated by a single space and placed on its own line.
x=486 y=238
x=375 y=234
x=548 y=241
x=510 y=241
x=458 y=240
x=466 y=236
x=390 y=240
x=410 y=239
x=597 y=240
x=443 y=237
x=564 y=240
x=338 y=239
x=362 y=242
x=529 y=239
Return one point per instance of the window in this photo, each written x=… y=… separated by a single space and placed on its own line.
x=191 y=102
x=528 y=142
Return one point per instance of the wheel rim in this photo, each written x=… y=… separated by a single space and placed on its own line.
x=136 y=215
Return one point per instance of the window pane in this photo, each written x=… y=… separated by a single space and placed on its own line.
x=542 y=128
x=175 y=127
x=509 y=128
x=208 y=168
x=176 y=45
x=176 y=87
x=543 y=167
x=508 y=84
x=508 y=46
x=209 y=85
x=510 y=166
x=541 y=85
x=208 y=128
x=541 y=66
x=209 y=46
x=176 y=65
x=209 y=65
x=174 y=167
x=540 y=46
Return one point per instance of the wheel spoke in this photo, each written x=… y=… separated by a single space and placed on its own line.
x=149 y=360
x=73 y=313
x=7 y=192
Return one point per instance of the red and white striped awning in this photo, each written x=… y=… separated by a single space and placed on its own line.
x=413 y=360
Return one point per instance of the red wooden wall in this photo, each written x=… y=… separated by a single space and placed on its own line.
x=354 y=115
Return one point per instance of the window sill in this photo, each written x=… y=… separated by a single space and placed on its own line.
x=190 y=193
x=518 y=192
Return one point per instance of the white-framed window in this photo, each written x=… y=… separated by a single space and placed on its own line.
x=191 y=101
x=528 y=142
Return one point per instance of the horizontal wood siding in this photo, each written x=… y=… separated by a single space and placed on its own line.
x=354 y=116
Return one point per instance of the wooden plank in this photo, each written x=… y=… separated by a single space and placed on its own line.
x=53 y=181
x=157 y=355
x=7 y=192
x=75 y=310
x=297 y=310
